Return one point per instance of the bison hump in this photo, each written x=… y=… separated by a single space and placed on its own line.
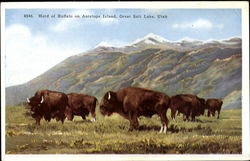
x=186 y=98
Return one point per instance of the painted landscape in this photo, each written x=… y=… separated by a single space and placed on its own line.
x=205 y=68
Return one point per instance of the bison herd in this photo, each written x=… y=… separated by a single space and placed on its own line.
x=129 y=102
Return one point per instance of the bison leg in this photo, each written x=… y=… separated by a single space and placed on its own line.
x=163 y=128
x=72 y=117
x=218 y=114
x=62 y=120
x=47 y=117
x=192 y=116
x=63 y=117
x=38 y=118
x=208 y=113
x=133 y=121
x=57 y=118
x=164 y=121
x=83 y=117
x=173 y=112
x=186 y=117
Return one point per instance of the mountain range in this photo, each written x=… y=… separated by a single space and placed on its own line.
x=211 y=68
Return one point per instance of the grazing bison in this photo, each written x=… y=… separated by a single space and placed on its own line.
x=132 y=102
x=188 y=105
x=214 y=105
x=81 y=105
x=48 y=104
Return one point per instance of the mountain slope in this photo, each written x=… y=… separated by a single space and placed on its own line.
x=206 y=69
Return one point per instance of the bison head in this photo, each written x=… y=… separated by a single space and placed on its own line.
x=35 y=103
x=108 y=103
x=69 y=113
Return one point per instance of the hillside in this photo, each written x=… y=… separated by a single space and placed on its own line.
x=208 y=69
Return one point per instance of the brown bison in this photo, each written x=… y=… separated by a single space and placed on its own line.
x=48 y=104
x=214 y=105
x=188 y=105
x=132 y=102
x=81 y=105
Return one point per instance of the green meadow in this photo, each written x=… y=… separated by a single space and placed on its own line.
x=110 y=135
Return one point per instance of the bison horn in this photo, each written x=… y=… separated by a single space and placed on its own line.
x=109 y=95
x=42 y=100
x=28 y=100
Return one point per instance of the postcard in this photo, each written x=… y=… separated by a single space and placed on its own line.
x=125 y=81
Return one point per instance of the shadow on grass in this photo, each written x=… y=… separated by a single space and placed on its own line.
x=149 y=128
x=176 y=129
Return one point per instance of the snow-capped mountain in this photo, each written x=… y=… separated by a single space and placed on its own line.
x=104 y=44
x=151 y=39
x=189 y=40
x=183 y=44
x=229 y=41
x=232 y=41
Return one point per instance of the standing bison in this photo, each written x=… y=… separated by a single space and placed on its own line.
x=81 y=105
x=188 y=105
x=48 y=104
x=214 y=105
x=132 y=102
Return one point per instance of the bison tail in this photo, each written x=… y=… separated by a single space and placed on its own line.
x=96 y=102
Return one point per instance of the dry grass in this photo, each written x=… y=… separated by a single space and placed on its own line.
x=111 y=135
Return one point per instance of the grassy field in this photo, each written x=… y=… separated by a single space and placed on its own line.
x=111 y=135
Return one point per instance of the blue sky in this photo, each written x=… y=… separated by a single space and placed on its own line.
x=36 y=44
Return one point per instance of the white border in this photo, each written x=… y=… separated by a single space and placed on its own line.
x=177 y=5
x=2 y=81
x=134 y=4
x=245 y=83
x=120 y=157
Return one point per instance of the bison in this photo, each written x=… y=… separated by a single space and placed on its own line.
x=188 y=105
x=132 y=102
x=81 y=105
x=213 y=105
x=48 y=104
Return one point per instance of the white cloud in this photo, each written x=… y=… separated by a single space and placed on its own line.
x=68 y=23
x=198 y=24
x=29 y=55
